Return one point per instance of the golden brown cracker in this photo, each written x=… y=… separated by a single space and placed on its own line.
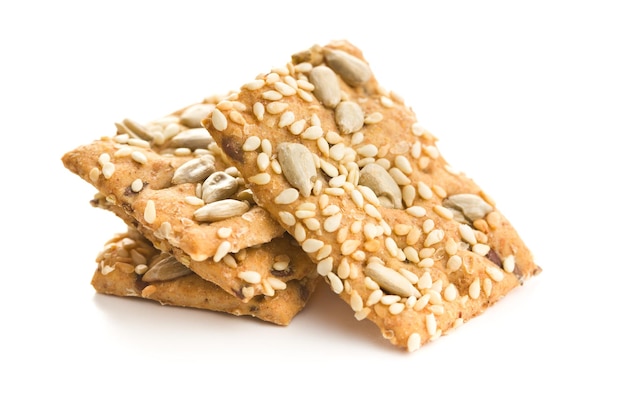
x=411 y=244
x=129 y=258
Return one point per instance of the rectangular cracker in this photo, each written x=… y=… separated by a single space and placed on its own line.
x=129 y=257
x=138 y=173
x=408 y=242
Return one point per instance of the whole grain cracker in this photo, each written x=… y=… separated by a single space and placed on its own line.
x=416 y=247
x=128 y=258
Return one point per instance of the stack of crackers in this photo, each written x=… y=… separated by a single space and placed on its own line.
x=310 y=172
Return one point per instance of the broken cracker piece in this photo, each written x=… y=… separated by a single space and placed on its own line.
x=170 y=180
x=129 y=266
x=408 y=242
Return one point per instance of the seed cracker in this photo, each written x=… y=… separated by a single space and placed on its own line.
x=135 y=174
x=128 y=257
x=407 y=241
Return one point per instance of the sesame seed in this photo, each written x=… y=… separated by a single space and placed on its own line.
x=108 y=169
x=123 y=151
x=454 y=263
x=259 y=110
x=312 y=224
x=254 y=85
x=373 y=118
x=356 y=302
x=495 y=273
x=467 y=234
x=431 y=324
x=218 y=120
x=336 y=284
x=194 y=201
x=424 y=190
x=508 y=263
x=414 y=342
x=481 y=249
x=262 y=161
x=332 y=223
x=312 y=133
x=149 y=212
x=276 y=107
x=299 y=232
x=94 y=173
x=416 y=211
x=474 y=289
x=325 y=266
x=271 y=95
x=287 y=196
x=421 y=302
x=368 y=151
x=222 y=250
x=425 y=281
x=443 y=212
x=224 y=232
x=284 y=89
x=251 y=277
x=252 y=143
x=396 y=308
x=403 y=164
x=428 y=225
x=362 y=314
x=286 y=119
x=434 y=237
x=487 y=286
x=349 y=246
x=450 y=293
x=260 y=179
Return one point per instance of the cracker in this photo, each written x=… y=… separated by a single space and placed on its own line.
x=272 y=264
x=408 y=242
x=135 y=175
x=129 y=257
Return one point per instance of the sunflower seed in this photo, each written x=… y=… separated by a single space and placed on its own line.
x=194 y=170
x=472 y=206
x=220 y=210
x=298 y=166
x=350 y=68
x=192 y=116
x=196 y=138
x=166 y=269
x=136 y=130
x=218 y=186
x=380 y=181
x=326 y=86
x=390 y=280
x=349 y=117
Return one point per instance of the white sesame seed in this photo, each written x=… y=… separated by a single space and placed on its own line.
x=251 y=277
x=276 y=107
x=336 y=284
x=428 y=225
x=467 y=234
x=424 y=190
x=443 y=212
x=474 y=289
x=454 y=263
x=271 y=95
x=403 y=164
x=108 y=169
x=495 y=273
x=224 y=232
x=417 y=129
x=254 y=85
x=481 y=249
x=396 y=308
x=450 y=293
x=94 y=173
x=287 y=196
x=325 y=266
x=312 y=224
x=252 y=143
x=356 y=302
x=349 y=246
x=425 y=281
x=508 y=263
x=368 y=151
x=431 y=324
x=312 y=133
x=259 y=110
x=416 y=211
x=374 y=297
x=487 y=286
x=332 y=223
x=260 y=179
x=284 y=89
x=218 y=120
x=149 y=212
x=414 y=342
x=222 y=250
x=286 y=119
x=421 y=302
x=434 y=237
x=194 y=201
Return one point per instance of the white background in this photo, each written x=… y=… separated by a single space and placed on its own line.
x=528 y=98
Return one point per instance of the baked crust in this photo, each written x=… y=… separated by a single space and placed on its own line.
x=117 y=274
x=408 y=242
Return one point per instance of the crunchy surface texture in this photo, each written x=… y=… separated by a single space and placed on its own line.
x=408 y=242
x=169 y=180
x=128 y=259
